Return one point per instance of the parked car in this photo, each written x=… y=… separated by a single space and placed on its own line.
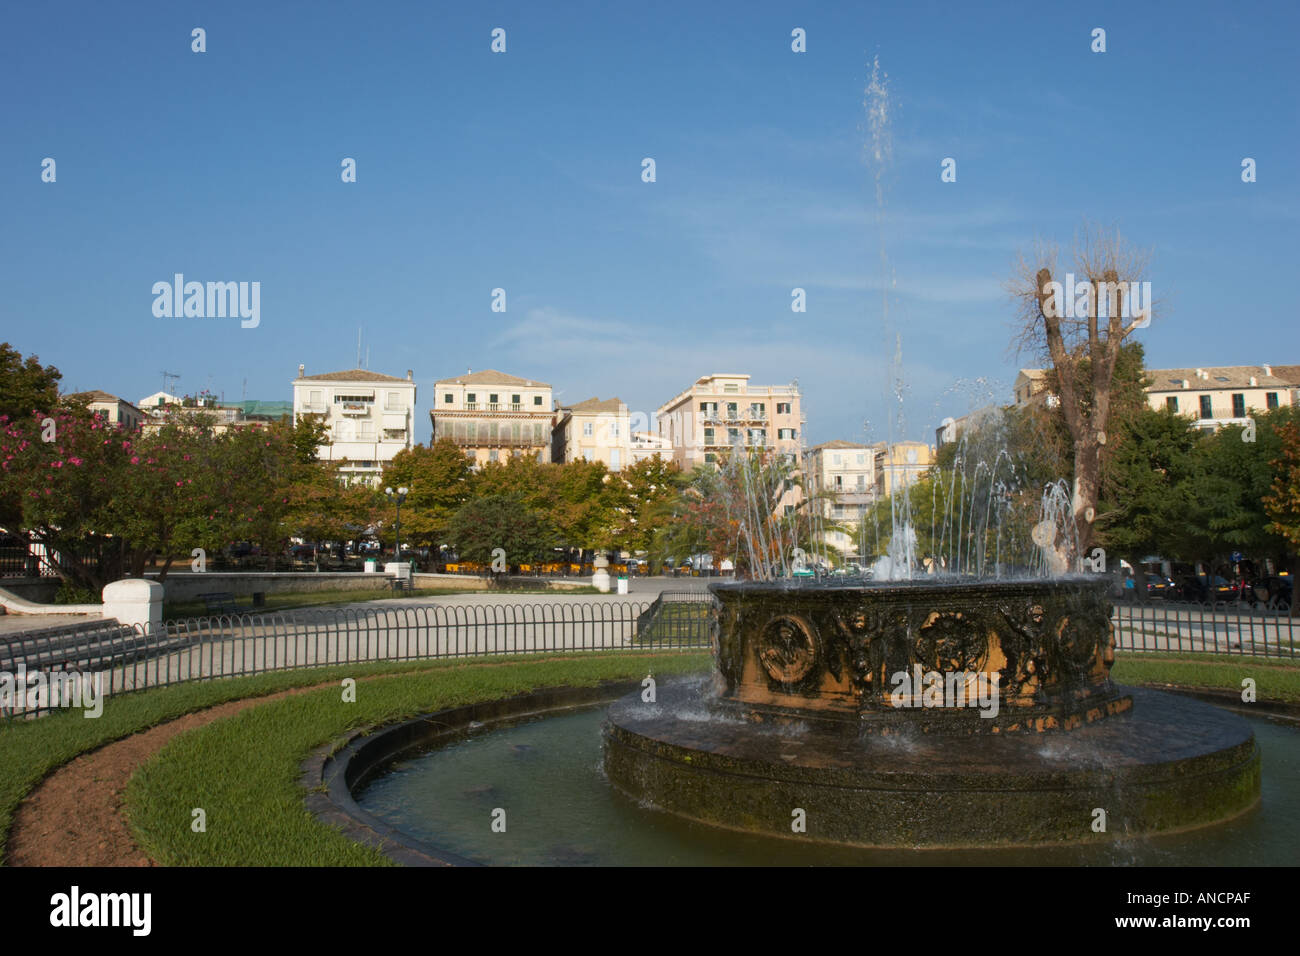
x=1205 y=589
x=1159 y=586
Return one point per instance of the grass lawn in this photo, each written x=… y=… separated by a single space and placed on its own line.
x=255 y=814
x=31 y=749
x=1274 y=679
x=298 y=599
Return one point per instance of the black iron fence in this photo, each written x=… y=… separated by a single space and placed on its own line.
x=1161 y=626
x=125 y=659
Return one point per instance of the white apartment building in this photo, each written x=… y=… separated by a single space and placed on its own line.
x=492 y=415
x=371 y=417
x=720 y=412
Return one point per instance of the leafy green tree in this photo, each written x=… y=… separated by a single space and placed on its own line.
x=481 y=525
x=63 y=490
x=1145 y=493
x=439 y=480
x=1229 y=481
x=25 y=385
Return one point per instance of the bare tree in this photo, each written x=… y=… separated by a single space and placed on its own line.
x=1078 y=322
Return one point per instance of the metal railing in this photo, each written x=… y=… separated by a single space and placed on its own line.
x=1172 y=627
x=124 y=659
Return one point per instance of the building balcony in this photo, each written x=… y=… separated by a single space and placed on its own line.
x=354 y=408
x=498 y=442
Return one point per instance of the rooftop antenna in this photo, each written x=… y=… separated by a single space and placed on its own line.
x=367 y=365
x=358 y=346
x=174 y=376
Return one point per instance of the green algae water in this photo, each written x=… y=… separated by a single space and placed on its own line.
x=559 y=810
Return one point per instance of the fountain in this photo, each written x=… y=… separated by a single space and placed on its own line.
x=928 y=714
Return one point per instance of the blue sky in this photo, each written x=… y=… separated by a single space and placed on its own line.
x=522 y=170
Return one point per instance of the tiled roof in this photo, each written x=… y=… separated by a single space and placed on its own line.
x=838 y=443
x=492 y=377
x=355 y=375
x=1217 y=376
x=593 y=404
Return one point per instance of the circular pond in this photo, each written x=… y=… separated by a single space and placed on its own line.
x=533 y=792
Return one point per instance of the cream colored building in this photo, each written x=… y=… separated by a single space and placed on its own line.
x=899 y=463
x=593 y=430
x=1216 y=396
x=492 y=415
x=844 y=473
x=370 y=416
x=719 y=412
x=110 y=408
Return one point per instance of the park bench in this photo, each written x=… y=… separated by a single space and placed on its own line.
x=219 y=602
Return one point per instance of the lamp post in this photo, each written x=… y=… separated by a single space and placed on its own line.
x=398 y=497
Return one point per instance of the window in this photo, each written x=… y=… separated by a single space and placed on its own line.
x=862 y=482
x=587 y=429
x=589 y=454
x=1239 y=406
x=709 y=410
x=783 y=408
x=785 y=433
x=732 y=411
x=316 y=399
x=537 y=399
x=733 y=436
x=537 y=431
x=614 y=463
x=447 y=398
x=862 y=458
x=835 y=459
x=731 y=389
x=613 y=429
x=1270 y=400
x=492 y=455
x=515 y=399
x=710 y=458
x=472 y=398
x=514 y=431
x=839 y=482
x=365 y=431
x=1171 y=403
x=1207 y=410
x=708 y=436
x=493 y=398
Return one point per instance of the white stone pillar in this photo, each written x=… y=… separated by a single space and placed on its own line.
x=135 y=601
x=600 y=577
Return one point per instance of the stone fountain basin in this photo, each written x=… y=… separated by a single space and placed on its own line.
x=1042 y=647
x=1171 y=764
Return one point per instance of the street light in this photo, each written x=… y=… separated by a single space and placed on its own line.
x=398 y=497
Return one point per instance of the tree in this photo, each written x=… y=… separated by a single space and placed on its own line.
x=25 y=385
x=1229 y=482
x=481 y=525
x=1145 y=495
x=1282 y=503
x=643 y=498
x=62 y=490
x=439 y=482
x=1081 y=330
